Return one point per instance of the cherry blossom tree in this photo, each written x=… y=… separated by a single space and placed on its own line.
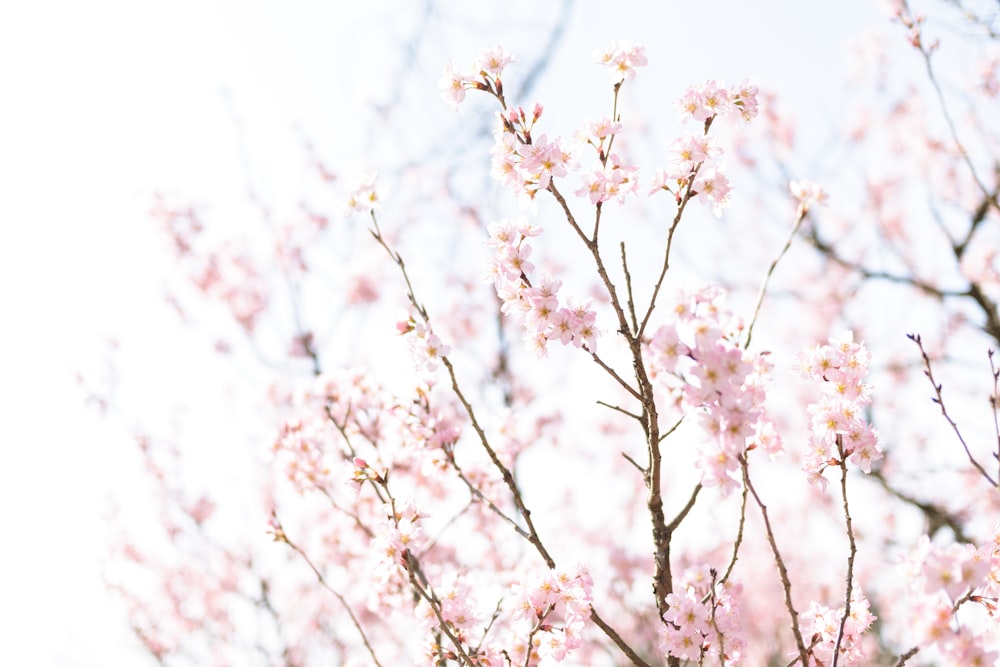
x=535 y=403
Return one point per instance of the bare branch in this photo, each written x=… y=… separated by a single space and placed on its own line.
x=944 y=412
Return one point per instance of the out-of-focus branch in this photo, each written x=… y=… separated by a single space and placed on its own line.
x=280 y=536
x=974 y=292
x=985 y=22
x=993 y=404
x=937 y=517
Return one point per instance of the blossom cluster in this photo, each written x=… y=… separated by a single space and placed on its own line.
x=524 y=163
x=455 y=604
x=363 y=197
x=334 y=408
x=713 y=99
x=622 y=58
x=488 y=68
x=521 y=161
x=698 y=355
x=398 y=536
x=838 y=428
x=536 y=305
x=555 y=606
x=426 y=348
x=694 y=165
x=228 y=272
x=703 y=622
x=822 y=628
x=348 y=430
x=611 y=178
x=807 y=193
x=944 y=577
x=302 y=445
x=527 y=164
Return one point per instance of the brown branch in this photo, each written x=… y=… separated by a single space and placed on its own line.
x=628 y=289
x=786 y=584
x=616 y=638
x=508 y=478
x=672 y=526
x=739 y=536
x=853 y=550
x=662 y=579
x=427 y=593
x=904 y=658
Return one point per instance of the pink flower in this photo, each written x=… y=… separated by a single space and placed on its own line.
x=667 y=348
x=622 y=58
x=602 y=128
x=613 y=180
x=744 y=99
x=840 y=366
x=823 y=623
x=542 y=160
x=492 y=61
x=452 y=85
x=690 y=150
x=713 y=187
x=702 y=102
x=363 y=198
x=807 y=194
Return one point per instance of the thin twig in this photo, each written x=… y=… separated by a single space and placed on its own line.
x=633 y=462
x=628 y=289
x=424 y=591
x=685 y=197
x=682 y=201
x=944 y=412
x=673 y=428
x=614 y=374
x=616 y=638
x=739 y=536
x=478 y=494
x=621 y=410
x=993 y=404
x=851 y=555
x=925 y=53
x=803 y=212
x=786 y=584
x=672 y=526
x=505 y=472
x=281 y=536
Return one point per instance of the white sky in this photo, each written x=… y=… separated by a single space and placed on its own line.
x=104 y=102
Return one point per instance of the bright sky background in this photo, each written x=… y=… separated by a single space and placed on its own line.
x=106 y=102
